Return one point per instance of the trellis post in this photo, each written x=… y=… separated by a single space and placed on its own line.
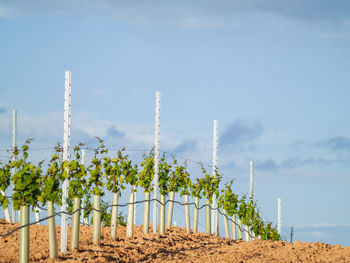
x=279 y=224
x=251 y=180
x=156 y=161
x=14 y=137
x=66 y=139
x=215 y=215
x=251 y=184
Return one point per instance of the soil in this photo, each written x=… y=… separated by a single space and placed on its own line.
x=174 y=246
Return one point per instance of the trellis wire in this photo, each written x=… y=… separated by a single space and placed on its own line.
x=146 y=150
x=119 y=205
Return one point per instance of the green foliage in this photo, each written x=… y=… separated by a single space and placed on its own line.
x=76 y=176
x=147 y=173
x=197 y=188
x=113 y=169
x=106 y=216
x=183 y=179
x=258 y=224
x=269 y=233
x=30 y=186
x=26 y=180
x=173 y=184
x=266 y=230
x=129 y=172
x=5 y=180
x=86 y=202
x=95 y=169
x=210 y=183
x=163 y=180
x=249 y=215
x=121 y=219
x=50 y=189
x=228 y=200
x=246 y=212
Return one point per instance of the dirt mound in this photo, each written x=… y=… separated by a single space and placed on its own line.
x=176 y=246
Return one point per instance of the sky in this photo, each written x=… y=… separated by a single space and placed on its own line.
x=273 y=73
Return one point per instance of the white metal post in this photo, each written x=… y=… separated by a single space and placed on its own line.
x=215 y=214
x=251 y=184
x=66 y=139
x=279 y=224
x=251 y=180
x=82 y=156
x=14 y=137
x=156 y=162
x=36 y=209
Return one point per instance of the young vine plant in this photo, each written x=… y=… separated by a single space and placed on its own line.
x=31 y=185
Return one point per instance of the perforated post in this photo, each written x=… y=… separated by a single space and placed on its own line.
x=14 y=137
x=66 y=140
x=156 y=162
x=279 y=224
x=215 y=214
x=251 y=184
x=251 y=180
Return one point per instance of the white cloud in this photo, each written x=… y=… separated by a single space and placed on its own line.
x=100 y=91
x=5 y=12
x=48 y=129
x=203 y=22
x=193 y=13
x=45 y=125
x=132 y=16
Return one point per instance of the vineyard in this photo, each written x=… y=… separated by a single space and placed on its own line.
x=34 y=187
x=174 y=131
x=99 y=232
x=80 y=189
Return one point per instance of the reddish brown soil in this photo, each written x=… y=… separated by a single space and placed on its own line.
x=175 y=246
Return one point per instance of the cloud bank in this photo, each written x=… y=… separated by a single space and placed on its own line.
x=338 y=143
x=191 y=12
x=3 y=110
x=187 y=146
x=240 y=132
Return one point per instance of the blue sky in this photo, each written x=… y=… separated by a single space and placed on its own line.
x=274 y=74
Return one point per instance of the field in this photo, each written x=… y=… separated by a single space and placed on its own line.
x=174 y=246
